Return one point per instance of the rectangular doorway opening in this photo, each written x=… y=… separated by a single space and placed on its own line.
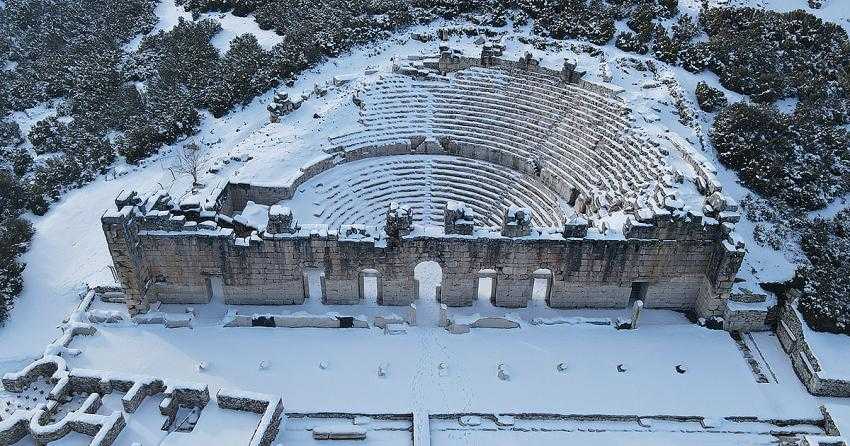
x=215 y=289
x=541 y=285
x=313 y=278
x=638 y=292
x=486 y=286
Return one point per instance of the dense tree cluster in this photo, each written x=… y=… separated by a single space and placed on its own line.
x=793 y=158
x=312 y=29
x=15 y=234
x=825 y=303
x=319 y=29
x=183 y=72
x=56 y=49
x=770 y=55
x=802 y=158
x=592 y=20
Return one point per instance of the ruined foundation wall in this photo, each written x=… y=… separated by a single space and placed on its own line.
x=791 y=335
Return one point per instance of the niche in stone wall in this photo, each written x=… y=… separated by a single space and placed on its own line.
x=215 y=289
x=638 y=292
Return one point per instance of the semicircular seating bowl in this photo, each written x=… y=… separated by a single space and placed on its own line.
x=361 y=191
x=493 y=119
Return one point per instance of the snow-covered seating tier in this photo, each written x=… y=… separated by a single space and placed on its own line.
x=361 y=191
x=581 y=140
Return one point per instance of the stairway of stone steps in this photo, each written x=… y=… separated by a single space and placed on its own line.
x=582 y=141
x=362 y=191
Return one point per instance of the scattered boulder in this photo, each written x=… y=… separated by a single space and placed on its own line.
x=395 y=329
x=504 y=420
x=495 y=322
x=339 y=432
x=470 y=420
x=458 y=328
x=503 y=372
x=361 y=420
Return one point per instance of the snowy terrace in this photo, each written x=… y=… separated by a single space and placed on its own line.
x=718 y=382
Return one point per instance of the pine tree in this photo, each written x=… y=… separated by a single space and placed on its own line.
x=710 y=99
x=696 y=57
x=684 y=30
x=15 y=235
x=664 y=48
x=629 y=41
x=668 y=8
x=754 y=140
x=825 y=303
x=47 y=135
x=247 y=71
x=641 y=20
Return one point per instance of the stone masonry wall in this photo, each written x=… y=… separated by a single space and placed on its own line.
x=123 y=242
x=789 y=330
x=171 y=253
x=180 y=267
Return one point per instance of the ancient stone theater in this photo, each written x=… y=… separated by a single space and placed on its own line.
x=492 y=168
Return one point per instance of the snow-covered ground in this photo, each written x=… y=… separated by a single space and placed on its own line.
x=69 y=249
x=591 y=383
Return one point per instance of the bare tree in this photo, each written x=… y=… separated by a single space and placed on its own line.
x=189 y=161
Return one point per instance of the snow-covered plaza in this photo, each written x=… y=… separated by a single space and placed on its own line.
x=561 y=376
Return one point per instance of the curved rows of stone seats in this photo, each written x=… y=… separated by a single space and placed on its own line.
x=361 y=191
x=580 y=139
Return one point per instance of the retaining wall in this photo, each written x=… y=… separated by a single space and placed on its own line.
x=789 y=330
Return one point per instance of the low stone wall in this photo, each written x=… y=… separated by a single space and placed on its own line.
x=747 y=311
x=103 y=429
x=789 y=330
x=269 y=406
x=745 y=320
x=297 y=321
